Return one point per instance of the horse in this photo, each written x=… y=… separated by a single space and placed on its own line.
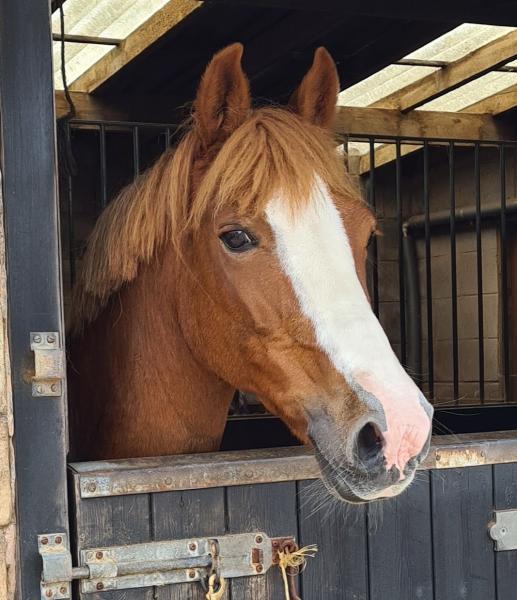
x=238 y=261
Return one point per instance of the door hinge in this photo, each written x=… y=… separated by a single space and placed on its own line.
x=49 y=363
x=503 y=529
x=154 y=563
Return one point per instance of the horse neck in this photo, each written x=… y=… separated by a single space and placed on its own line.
x=152 y=396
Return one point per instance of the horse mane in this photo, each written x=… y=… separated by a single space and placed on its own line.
x=274 y=150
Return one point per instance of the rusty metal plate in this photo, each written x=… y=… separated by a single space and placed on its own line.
x=49 y=364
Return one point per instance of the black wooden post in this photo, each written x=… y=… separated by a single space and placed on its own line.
x=34 y=282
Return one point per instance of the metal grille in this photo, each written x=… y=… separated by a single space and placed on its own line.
x=445 y=259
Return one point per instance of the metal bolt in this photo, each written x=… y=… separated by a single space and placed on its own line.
x=99 y=555
x=192 y=546
x=37 y=339
x=191 y=574
x=259 y=568
x=168 y=481
x=51 y=339
x=49 y=593
x=503 y=530
x=438 y=458
x=58 y=539
x=39 y=389
x=259 y=539
x=63 y=590
x=100 y=586
x=91 y=487
x=44 y=541
x=53 y=387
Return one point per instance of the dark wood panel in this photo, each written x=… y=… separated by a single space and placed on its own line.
x=339 y=571
x=111 y=522
x=505 y=496
x=177 y=515
x=463 y=552
x=270 y=508
x=400 y=545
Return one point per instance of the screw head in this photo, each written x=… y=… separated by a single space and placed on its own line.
x=58 y=539
x=259 y=539
x=259 y=568
x=39 y=389
x=99 y=555
x=192 y=546
x=49 y=593
x=100 y=586
x=51 y=339
x=44 y=541
x=191 y=574
x=63 y=590
x=91 y=487
x=53 y=387
x=37 y=339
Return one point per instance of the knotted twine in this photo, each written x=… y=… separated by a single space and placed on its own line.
x=293 y=562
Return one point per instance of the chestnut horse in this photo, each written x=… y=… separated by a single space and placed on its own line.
x=238 y=262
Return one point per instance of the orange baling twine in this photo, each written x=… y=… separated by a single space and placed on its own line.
x=292 y=563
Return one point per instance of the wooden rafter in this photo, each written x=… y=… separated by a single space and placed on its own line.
x=155 y=27
x=474 y=65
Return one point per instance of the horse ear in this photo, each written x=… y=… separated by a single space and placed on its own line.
x=223 y=97
x=316 y=96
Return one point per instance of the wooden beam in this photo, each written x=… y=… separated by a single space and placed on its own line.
x=382 y=122
x=149 y=32
x=496 y=104
x=89 y=107
x=457 y=73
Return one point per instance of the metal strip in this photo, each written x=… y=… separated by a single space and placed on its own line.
x=198 y=471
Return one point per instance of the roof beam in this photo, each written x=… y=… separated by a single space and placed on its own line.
x=457 y=73
x=382 y=122
x=149 y=32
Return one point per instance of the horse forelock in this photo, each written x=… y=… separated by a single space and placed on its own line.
x=273 y=151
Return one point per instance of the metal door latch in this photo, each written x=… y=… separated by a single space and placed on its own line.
x=49 y=363
x=503 y=529
x=154 y=563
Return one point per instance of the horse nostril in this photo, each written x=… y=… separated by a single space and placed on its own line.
x=370 y=442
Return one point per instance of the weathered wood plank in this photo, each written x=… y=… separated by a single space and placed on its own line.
x=505 y=496
x=110 y=522
x=339 y=571
x=178 y=515
x=400 y=545
x=270 y=508
x=88 y=107
x=463 y=552
x=473 y=65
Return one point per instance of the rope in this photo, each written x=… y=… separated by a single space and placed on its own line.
x=292 y=563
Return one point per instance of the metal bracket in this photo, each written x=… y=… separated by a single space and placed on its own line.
x=503 y=530
x=57 y=566
x=49 y=363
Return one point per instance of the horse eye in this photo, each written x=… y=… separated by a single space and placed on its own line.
x=238 y=240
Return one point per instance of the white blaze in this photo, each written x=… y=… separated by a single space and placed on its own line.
x=315 y=253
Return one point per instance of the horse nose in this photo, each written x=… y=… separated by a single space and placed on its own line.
x=369 y=444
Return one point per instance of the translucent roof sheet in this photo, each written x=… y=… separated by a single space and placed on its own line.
x=449 y=47
x=100 y=18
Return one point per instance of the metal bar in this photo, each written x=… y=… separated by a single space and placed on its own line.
x=167 y=133
x=374 y=249
x=70 y=215
x=415 y=62
x=402 y=300
x=504 y=276
x=86 y=39
x=454 y=286
x=136 y=152
x=479 y=261
x=428 y=275
x=102 y=170
x=220 y=469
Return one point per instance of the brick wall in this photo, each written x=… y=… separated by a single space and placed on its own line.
x=7 y=515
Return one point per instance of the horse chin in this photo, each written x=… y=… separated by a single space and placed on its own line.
x=354 y=492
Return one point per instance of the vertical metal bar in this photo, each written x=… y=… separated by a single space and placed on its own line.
x=374 y=251
x=454 y=286
x=402 y=299
x=102 y=158
x=70 y=215
x=479 y=259
x=136 y=152
x=504 y=276
x=428 y=275
x=167 y=133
